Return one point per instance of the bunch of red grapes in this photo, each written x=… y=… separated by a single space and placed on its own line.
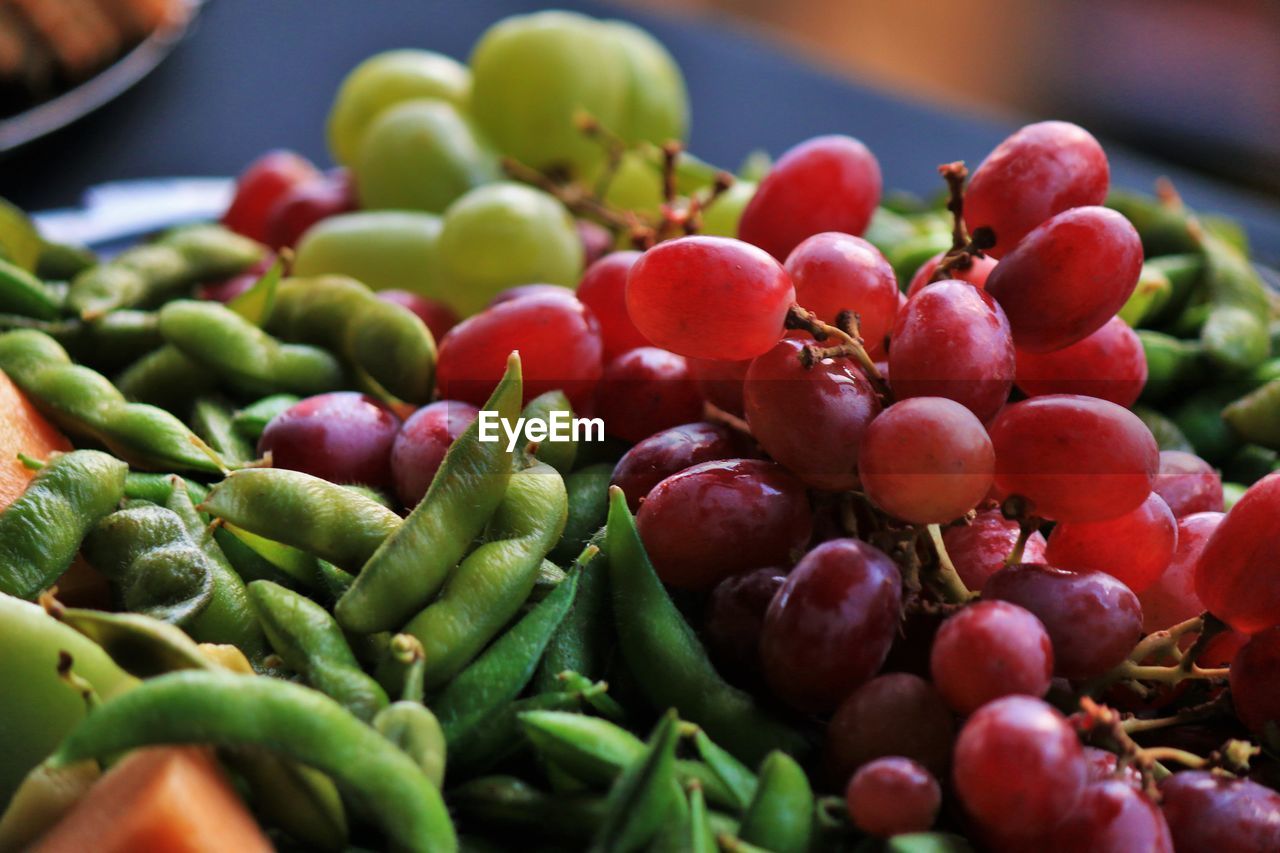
x=862 y=481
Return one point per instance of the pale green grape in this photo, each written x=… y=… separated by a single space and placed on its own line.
x=657 y=106
x=504 y=234
x=721 y=218
x=385 y=249
x=386 y=79
x=636 y=185
x=421 y=155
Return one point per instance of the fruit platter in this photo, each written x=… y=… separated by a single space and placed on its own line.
x=525 y=481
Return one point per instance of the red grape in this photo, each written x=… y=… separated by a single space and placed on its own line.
x=420 y=446
x=709 y=297
x=735 y=618
x=988 y=650
x=1067 y=277
x=1093 y=619
x=953 y=341
x=1238 y=574
x=893 y=795
x=827 y=183
x=811 y=419
x=603 y=289
x=829 y=628
x=1074 y=458
x=437 y=316
x=720 y=518
x=1220 y=650
x=344 y=437
x=1172 y=598
x=893 y=714
x=926 y=460
x=1255 y=689
x=597 y=240
x=1038 y=172
x=1188 y=484
x=1019 y=768
x=1112 y=817
x=1135 y=547
x=833 y=272
x=978 y=549
x=1206 y=811
x=669 y=452
x=302 y=206
x=722 y=382
x=558 y=340
x=647 y=390
x=531 y=290
x=261 y=185
x=1109 y=364
x=975 y=273
x=1102 y=766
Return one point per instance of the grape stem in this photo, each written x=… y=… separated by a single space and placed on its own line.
x=1195 y=713
x=1015 y=507
x=945 y=576
x=1165 y=643
x=850 y=345
x=964 y=248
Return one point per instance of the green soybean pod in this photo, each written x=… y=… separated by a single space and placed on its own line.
x=588 y=490
x=42 y=529
x=1235 y=333
x=165 y=377
x=1256 y=416
x=412 y=563
x=780 y=816
x=584 y=641
x=302 y=724
x=1185 y=273
x=667 y=658
x=211 y=420
x=237 y=351
x=1163 y=227
x=84 y=402
x=1172 y=364
x=158 y=488
x=646 y=795
x=307 y=639
x=252 y=420
x=314 y=515
x=298 y=566
x=510 y=803
x=1166 y=433
x=553 y=410
x=498 y=737
x=24 y=294
x=488 y=587
x=408 y=723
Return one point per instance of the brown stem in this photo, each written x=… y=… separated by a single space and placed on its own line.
x=850 y=346
x=964 y=247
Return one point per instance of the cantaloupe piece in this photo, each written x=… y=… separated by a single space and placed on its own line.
x=161 y=800
x=22 y=430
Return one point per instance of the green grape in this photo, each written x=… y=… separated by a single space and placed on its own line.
x=421 y=155
x=721 y=218
x=636 y=185
x=504 y=234
x=386 y=79
x=385 y=249
x=657 y=107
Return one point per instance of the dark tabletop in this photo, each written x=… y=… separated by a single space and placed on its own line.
x=259 y=74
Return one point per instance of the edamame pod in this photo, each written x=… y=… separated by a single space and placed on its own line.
x=550 y=408
x=646 y=794
x=299 y=723
x=42 y=529
x=780 y=817
x=165 y=377
x=588 y=490
x=83 y=401
x=584 y=641
x=408 y=723
x=1235 y=333
x=1256 y=416
x=24 y=294
x=211 y=420
x=252 y=420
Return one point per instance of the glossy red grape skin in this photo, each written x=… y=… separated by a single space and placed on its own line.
x=1067 y=277
x=830 y=627
x=344 y=437
x=1135 y=547
x=1255 y=687
x=810 y=419
x=1039 y=171
x=827 y=183
x=926 y=460
x=1112 y=817
x=1109 y=364
x=557 y=337
x=834 y=272
x=603 y=289
x=437 y=316
x=1210 y=812
x=720 y=518
x=1093 y=619
x=891 y=796
x=978 y=549
x=1018 y=767
x=709 y=297
x=1074 y=458
x=646 y=390
x=669 y=452
x=1188 y=484
x=263 y=183
x=735 y=618
x=975 y=273
x=1172 y=598
x=892 y=714
x=952 y=340
x=421 y=444
x=1102 y=767
x=1238 y=574
x=302 y=206
x=722 y=382
x=988 y=650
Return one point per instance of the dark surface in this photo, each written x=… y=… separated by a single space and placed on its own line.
x=257 y=74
